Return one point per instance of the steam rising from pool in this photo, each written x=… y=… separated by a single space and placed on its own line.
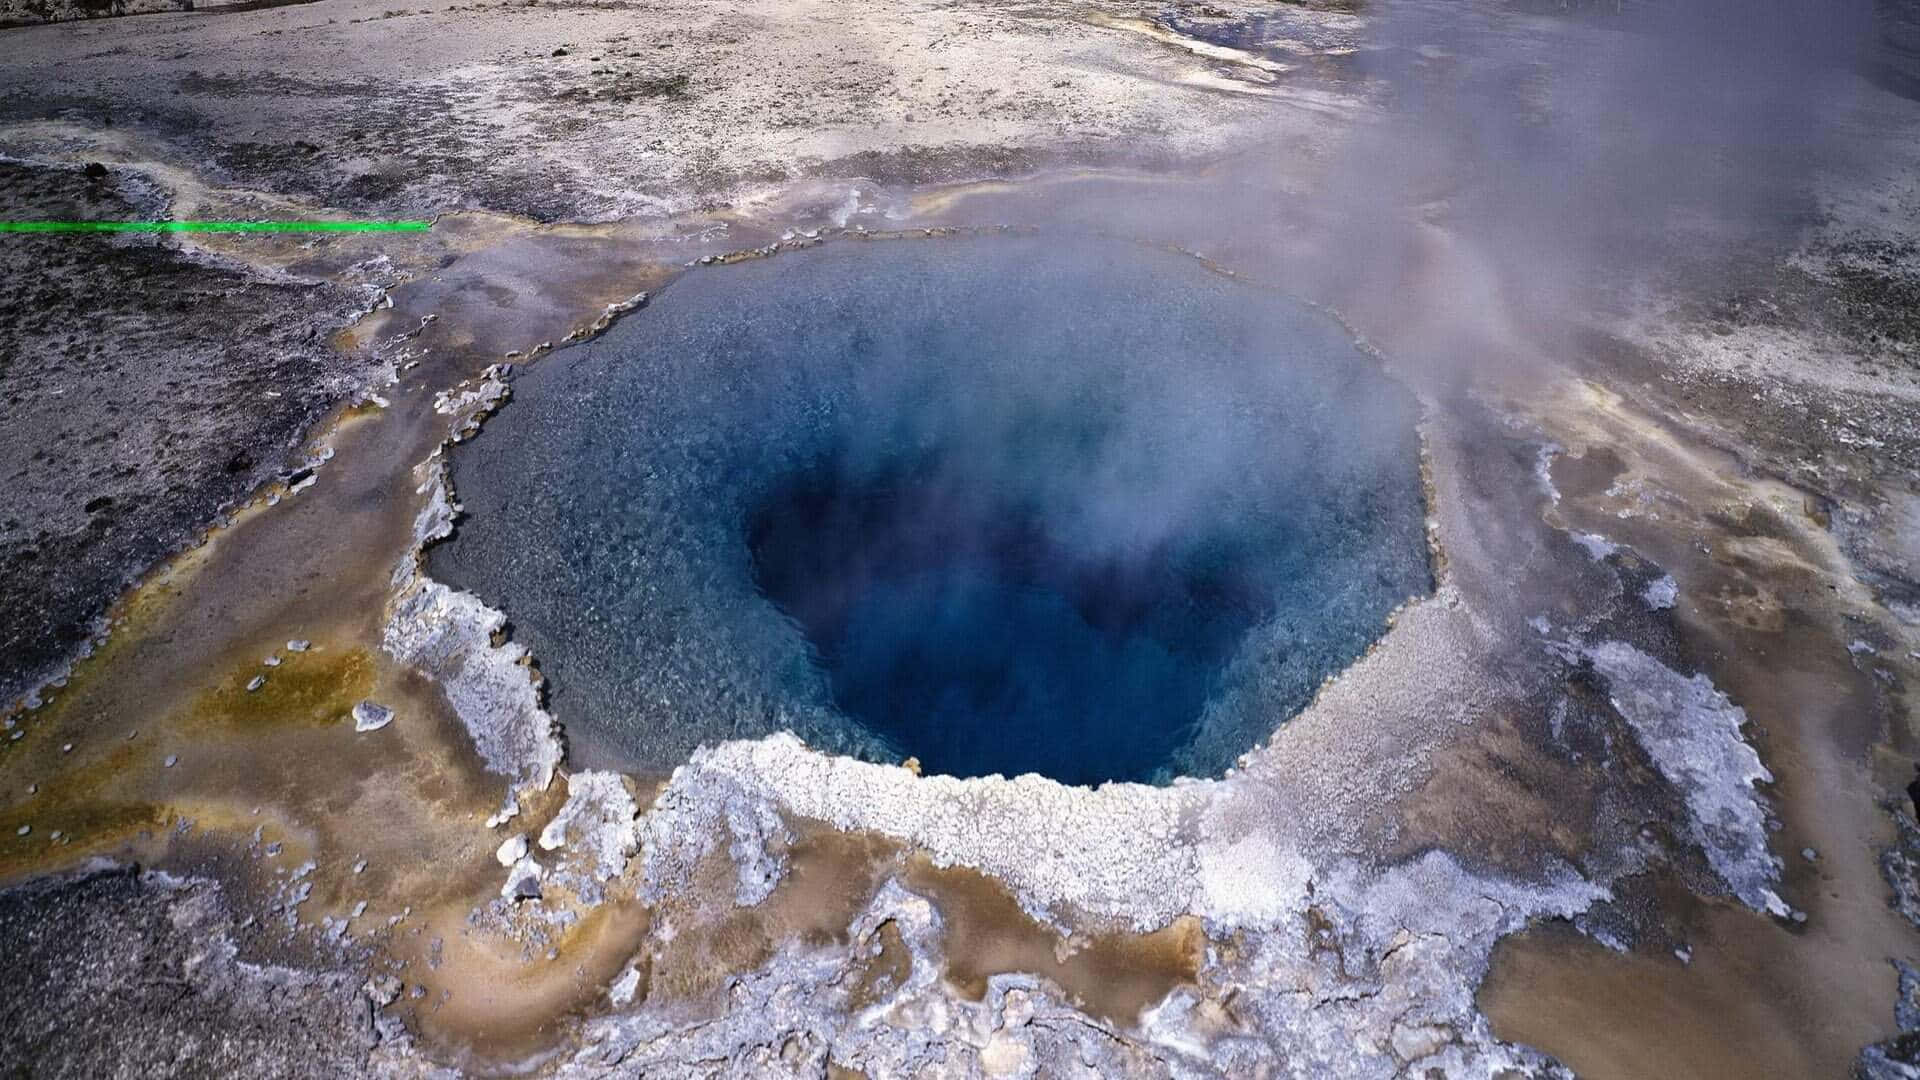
x=1005 y=505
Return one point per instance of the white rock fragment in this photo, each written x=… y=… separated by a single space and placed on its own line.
x=448 y=636
x=368 y=716
x=299 y=645
x=1598 y=547
x=598 y=820
x=256 y=683
x=360 y=867
x=512 y=850
x=359 y=909
x=66 y=748
x=1661 y=593
x=271 y=661
x=1693 y=734
x=23 y=830
x=172 y=760
x=382 y=990
x=623 y=988
x=523 y=880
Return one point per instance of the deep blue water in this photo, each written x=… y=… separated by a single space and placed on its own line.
x=1004 y=504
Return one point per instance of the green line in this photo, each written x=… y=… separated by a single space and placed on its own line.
x=212 y=226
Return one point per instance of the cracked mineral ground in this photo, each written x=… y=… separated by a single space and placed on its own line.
x=1311 y=538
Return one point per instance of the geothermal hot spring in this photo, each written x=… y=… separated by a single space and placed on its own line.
x=1006 y=505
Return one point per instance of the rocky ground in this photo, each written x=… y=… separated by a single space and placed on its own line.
x=1625 y=797
x=146 y=389
x=161 y=951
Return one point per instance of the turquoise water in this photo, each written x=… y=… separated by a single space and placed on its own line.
x=1003 y=504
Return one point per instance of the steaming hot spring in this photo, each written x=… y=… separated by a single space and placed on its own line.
x=1005 y=505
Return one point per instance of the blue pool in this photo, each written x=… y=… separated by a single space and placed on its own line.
x=1007 y=505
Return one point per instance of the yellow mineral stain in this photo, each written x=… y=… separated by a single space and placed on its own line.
x=314 y=688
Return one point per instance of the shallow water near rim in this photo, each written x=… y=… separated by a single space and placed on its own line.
x=1007 y=505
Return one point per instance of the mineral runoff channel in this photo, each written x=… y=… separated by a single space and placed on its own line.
x=212 y=226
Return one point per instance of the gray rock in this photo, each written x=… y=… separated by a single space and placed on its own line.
x=523 y=881
x=369 y=716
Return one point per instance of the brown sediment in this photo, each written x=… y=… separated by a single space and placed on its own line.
x=491 y=999
x=1113 y=976
x=1613 y=1015
x=1527 y=805
x=831 y=876
x=883 y=970
x=1587 y=473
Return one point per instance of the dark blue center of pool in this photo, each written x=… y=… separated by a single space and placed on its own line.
x=1004 y=505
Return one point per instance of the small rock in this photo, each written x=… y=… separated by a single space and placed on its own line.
x=1416 y=1041
x=95 y=171
x=360 y=867
x=512 y=850
x=1809 y=854
x=1016 y=1009
x=271 y=661
x=24 y=830
x=359 y=909
x=66 y=748
x=523 y=881
x=299 y=645
x=624 y=987
x=256 y=683
x=368 y=716
x=383 y=990
x=172 y=760
x=559 y=52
